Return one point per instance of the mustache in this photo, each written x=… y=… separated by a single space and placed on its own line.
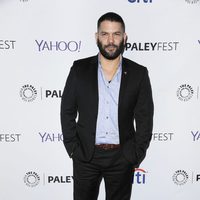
x=111 y=45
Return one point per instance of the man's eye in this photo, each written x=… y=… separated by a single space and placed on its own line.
x=103 y=34
x=117 y=34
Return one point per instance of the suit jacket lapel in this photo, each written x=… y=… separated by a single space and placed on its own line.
x=94 y=85
x=123 y=85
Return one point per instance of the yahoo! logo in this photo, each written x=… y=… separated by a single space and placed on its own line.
x=139 y=176
x=195 y=135
x=140 y=1
x=51 y=137
x=71 y=46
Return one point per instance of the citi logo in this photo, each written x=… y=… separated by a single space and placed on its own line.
x=140 y=1
x=139 y=176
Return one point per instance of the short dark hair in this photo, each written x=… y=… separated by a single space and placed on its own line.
x=113 y=17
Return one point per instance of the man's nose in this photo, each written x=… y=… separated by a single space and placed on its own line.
x=111 y=38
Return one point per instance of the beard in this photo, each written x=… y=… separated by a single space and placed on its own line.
x=119 y=49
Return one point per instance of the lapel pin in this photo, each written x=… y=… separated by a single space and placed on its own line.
x=125 y=73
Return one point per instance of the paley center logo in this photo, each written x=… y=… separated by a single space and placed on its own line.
x=192 y=1
x=139 y=176
x=152 y=46
x=71 y=46
x=185 y=92
x=7 y=44
x=33 y=179
x=29 y=93
x=140 y=1
x=181 y=177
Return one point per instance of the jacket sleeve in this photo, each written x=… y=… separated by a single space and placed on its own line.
x=69 y=113
x=144 y=117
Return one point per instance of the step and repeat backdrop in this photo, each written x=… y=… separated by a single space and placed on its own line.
x=39 y=40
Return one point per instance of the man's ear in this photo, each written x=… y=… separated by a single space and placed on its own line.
x=96 y=37
x=125 y=38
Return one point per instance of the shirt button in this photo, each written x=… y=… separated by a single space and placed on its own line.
x=107 y=117
x=106 y=133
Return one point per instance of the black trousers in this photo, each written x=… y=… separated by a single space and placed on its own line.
x=108 y=164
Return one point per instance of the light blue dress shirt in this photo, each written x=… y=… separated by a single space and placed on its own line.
x=107 y=130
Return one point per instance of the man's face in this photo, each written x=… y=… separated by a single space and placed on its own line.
x=110 y=39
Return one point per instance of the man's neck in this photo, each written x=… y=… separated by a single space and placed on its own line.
x=109 y=65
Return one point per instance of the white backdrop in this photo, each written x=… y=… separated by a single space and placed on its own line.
x=39 y=40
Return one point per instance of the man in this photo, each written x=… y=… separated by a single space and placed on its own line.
x=109 y=94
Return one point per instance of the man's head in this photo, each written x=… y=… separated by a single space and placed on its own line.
x=111 y=36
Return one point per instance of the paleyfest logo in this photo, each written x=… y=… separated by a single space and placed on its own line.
x=7 y=44
x=192 y=1
x=140 y=1
x=152 y=46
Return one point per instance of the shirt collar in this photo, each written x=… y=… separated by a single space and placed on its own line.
x=119 y=70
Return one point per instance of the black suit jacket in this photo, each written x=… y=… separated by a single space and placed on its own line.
x=79 y=109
